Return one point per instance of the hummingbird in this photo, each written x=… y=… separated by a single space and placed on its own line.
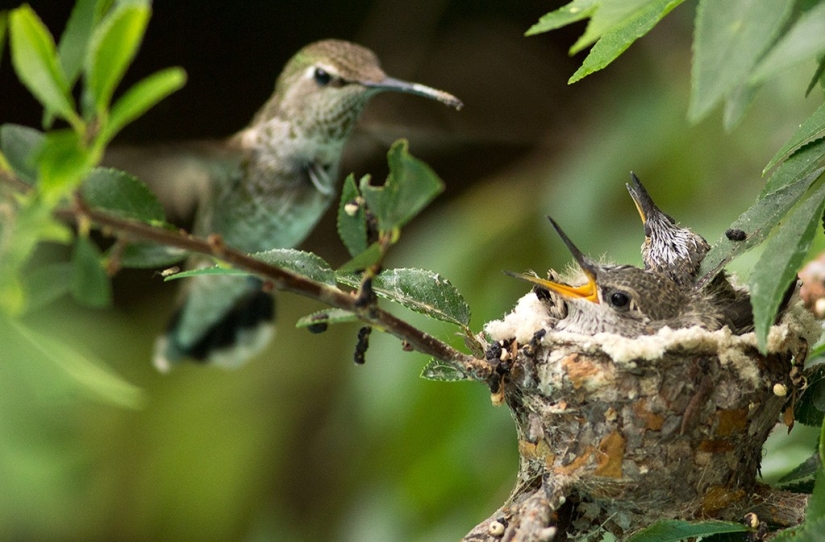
x=668 y=248
x=268 y=189
x=677 y=251
x=627 y=300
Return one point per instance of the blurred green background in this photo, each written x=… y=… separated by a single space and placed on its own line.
x=300 y=444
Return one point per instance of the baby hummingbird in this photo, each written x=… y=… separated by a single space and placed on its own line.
x=626 y=300
x=668 y=247
x=269 y=188
x=677 y=252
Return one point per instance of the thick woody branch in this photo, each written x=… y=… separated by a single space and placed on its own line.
x=282 y=279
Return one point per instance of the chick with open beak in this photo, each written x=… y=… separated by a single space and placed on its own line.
x=626 y=300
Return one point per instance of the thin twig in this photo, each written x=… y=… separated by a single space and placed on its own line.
x=284 y=280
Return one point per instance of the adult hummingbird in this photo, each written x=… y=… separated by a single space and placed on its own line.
x=627 y=300
x=677 y=251
x=269 y=189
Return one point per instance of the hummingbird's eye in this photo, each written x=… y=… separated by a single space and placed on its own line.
x=619 y=300
x=322 y=77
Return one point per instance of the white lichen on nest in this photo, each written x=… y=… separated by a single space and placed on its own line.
x=796 y=330
x=529 y=316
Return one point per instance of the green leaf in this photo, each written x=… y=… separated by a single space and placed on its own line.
x=90 y=284
x=673 y=530
x=141 y=97
x=114 y=44
x=88 y=374
x=804 y=471
x=441 y=372
x=641 y=17
x=64 y=162
x=816 y=504
x=75 y=38
x=730 y=37
x=352 y=220
x=146 y=255
x=737 y=103
x=812 y=129
x=800 y=164
x=803 y=42
x=411 y=186
x=303 y=263
x=120 y=193
x=216 y=270
x=420 y=290
x=361 y=261
x=34 y=57
x=21 y=146
x=818 y=76
x=810 y=407
x=327 y=317
x=576 y=10
x=780 y=261
x=758 y=221
x=45 y=284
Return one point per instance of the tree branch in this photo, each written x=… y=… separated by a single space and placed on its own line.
x=282 y=279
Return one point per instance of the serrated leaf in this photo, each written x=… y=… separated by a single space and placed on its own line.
x=146 y=255
x=327 y=317
x=47 y=283
x=216 y=270
x=303 y=263
x=730 y=37
x=141 y=97
x=352 y=228
x=812 y=129
x=21 y=145
x=439 y=371
x=90 y=284
x=804 y=471
x=816 y=504
x=673 y=530
x=780 y=261
x=804 y=41
x=114 y=44
x=810 y=407
x=89 y=374
x=758 y=221
x=34 y=57
x=411 y=186
x=612 y=43
x=75 y=38
x=576 y=10
x=419 y=290
x=120 y=193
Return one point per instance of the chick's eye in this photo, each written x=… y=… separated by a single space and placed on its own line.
x=619 y=300
x=322 y=77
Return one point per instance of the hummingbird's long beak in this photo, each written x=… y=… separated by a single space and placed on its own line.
x=588 y=291
x=644 y=203
x=396 y=85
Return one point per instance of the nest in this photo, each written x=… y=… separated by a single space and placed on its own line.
x=616 y=432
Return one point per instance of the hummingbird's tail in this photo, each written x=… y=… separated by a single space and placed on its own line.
x=224 y=320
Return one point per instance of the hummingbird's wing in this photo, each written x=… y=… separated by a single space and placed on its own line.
x=178 y=173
